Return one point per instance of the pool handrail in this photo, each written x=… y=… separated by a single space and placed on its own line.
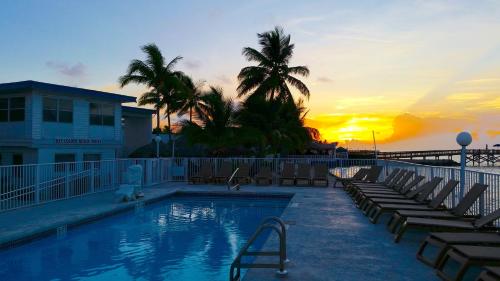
x=266 y=224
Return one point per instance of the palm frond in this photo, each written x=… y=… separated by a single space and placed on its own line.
x=300 y=70
x=299 y=85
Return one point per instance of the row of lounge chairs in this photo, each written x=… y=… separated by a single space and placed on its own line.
x=460 y=238
x=303 y=175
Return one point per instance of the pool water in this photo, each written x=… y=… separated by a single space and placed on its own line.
x=180 y=238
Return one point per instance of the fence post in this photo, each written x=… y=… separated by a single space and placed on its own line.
x=92 y=177
x=114 y=172
x=37 y=184
x=454 y=191
x=66 y=179
x=482 y=211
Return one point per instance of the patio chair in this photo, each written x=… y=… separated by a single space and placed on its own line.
x=287 y=176
x=457 y=212
x=346 y=182
x=373 y=174
x=402 y=193
x=320 y=177
x=417 y=198
x=204 y=175
x=490 y=273
x=395 y=187
x=405 y=193
x=443 y=241
x=243 y=174
x=224 y=172
x=303 y=177
x=466 y=256
x=358 y=187
x=468 y=224
x=264 y=176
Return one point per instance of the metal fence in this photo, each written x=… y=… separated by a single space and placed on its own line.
x=27 y=185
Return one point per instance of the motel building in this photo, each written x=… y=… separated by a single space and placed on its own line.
x=48 y=123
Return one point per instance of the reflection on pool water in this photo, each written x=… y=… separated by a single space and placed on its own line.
x=180 y=238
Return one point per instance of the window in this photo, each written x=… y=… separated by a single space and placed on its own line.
x=17 y=159
x=61 y=158
x=4 y=110
x=91 y=157
x=12 y=109
x=57 y=110
x=102 y=114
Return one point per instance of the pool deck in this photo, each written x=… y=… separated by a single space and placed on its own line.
x=327 y=238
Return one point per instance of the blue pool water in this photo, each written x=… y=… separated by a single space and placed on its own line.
x=180 y=238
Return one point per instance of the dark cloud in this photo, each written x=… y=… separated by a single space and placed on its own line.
x=76 y=70
x=192 y=64
x=324 y=79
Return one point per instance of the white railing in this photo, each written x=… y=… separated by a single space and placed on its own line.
x=27 y=185
x=488 y=202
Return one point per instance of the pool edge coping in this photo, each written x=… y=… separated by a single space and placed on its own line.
x=52 y=229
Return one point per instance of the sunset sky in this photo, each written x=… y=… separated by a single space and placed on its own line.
x=414 y=72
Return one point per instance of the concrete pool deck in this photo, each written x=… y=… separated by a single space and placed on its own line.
x=327 y=239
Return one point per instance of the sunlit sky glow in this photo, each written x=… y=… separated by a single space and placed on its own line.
x=414 y=72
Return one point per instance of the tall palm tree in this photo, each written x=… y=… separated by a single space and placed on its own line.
x=159 y=77
x=192 y=98
x=271 y=76
x=272 y=126
x=216 y=123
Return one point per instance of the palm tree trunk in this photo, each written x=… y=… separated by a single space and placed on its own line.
x=157 y=119
x=168 y=123
x=191 y=114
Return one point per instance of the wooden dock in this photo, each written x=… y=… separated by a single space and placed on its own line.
x=474 y=157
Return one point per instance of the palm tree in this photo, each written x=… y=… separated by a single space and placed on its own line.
x=216 y=125
x=161 y=80
x=192 y=99
x=272 y=126
x=271 y=77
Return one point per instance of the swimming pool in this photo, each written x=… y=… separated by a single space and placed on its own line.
x=180 y=238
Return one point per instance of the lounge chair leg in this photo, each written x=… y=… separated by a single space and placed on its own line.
x=400 y=232
x=434 y=242
x=375 y=215
x=362 y=203
x=463 y=261
x=394 y=222
x=369 y=205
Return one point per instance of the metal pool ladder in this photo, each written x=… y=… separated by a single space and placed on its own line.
x=273 y=223
x=236 y=186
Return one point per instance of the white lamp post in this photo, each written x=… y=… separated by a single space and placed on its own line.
x=157 y=140
x=463 y=139
x=173 y=148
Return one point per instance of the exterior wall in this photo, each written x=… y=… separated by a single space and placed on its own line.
x=29 y=155
x=80 y=128
x=136 y=133
x=47 y=155
x=80 y=119
x=39 y=141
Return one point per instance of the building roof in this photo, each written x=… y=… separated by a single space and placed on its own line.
x=137 y=110
x=60 y=89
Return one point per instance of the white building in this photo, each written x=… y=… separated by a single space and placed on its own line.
x=47 y=123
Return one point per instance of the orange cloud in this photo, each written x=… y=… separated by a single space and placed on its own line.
x=390 y=129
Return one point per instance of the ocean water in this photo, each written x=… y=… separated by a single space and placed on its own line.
x=492 y=170
x=180 y=238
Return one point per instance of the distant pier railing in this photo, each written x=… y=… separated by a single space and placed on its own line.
x=474 y=157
